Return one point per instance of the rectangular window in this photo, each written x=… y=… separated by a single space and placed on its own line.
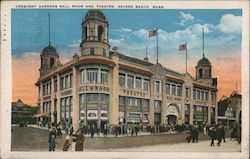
x=179 y=91
x=104 y=76
x=130 y=81
x=82 y=77
x=82 y=99
x=138 y=82
x=55 y=85
x=92 y=98
x=194 y=93
x=173 y=90
x=157 y=104
x=202 y=95
x=187 y=92
x=206 y=96
x=61 y=83
x=168 y=88
x=157 y=87
x=145 y=102
x=130 y=101
x=198 y=94
x=212 y=96
x=122 y=80
x=121 y=100
x=104 y=98
x=92 y=75
x=92 y=51
x=145 y=84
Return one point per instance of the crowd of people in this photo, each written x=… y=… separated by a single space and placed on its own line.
x=75 y=139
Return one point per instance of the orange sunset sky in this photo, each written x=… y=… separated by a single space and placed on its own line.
x=26 y=73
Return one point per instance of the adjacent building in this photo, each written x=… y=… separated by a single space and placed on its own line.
x=22 y=112
x=101 y=85
x=229 y=109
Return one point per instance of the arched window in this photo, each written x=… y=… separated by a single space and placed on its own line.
x=86 y=32
x=100 y=33
x=52 y=62
x=200 y=72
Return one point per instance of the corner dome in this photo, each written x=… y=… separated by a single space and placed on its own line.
x=204 y=61
x=50 y=49
x=95 y=14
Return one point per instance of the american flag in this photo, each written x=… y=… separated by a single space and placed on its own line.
x=152 y=33
x=183 y=47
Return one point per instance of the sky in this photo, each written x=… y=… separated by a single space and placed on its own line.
x=128 y=30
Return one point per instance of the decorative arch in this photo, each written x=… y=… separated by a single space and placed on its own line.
x=173 y=109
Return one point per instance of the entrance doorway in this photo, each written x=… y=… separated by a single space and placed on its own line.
x=171 y=119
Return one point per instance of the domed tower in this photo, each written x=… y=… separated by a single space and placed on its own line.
x=95 y=34
x=49 y=60
x=203 y=68
x=49 y=57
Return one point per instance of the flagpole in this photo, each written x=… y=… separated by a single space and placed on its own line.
x=157 y=45
x=186 y=57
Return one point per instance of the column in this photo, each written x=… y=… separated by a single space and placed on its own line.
x=191 y=120
x=151 y=103
x=209 y=106
x=75 y=99
x=163 y=103
x=41 y=97
x=52 y=104
x=114 y=103
x=216 y=108
x=58 y=96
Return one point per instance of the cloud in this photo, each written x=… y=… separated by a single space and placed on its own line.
x=126 y=30
x=230 y=23
x=185 y=18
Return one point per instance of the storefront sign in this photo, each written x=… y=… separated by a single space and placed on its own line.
x=200 y=103
x=173 y=98
x=134 y=93
x=93 y=89
x=67 y=92
x=104 y=115
x=92 y=114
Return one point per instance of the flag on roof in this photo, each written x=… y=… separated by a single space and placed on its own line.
x=152 y=33
x=183 y=47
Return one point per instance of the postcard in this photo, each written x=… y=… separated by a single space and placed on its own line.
x=124 y=79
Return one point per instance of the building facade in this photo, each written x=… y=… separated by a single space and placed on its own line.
x=229 y=109
x=104 y=86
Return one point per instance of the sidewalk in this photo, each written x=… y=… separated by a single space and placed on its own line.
x=111 y=135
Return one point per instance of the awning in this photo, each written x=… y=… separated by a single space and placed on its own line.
x=40 y=115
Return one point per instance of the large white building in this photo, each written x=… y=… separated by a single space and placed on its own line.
x=104 y=86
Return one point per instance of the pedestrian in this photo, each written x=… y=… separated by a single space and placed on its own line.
x=92 y=130
x=219 y=134
x=223 y=133
x=74 y=139
x=79 y=141
x=66 y=143
x=52 y=138
x=52 y=143
x=105 y=130
x=212 y=134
